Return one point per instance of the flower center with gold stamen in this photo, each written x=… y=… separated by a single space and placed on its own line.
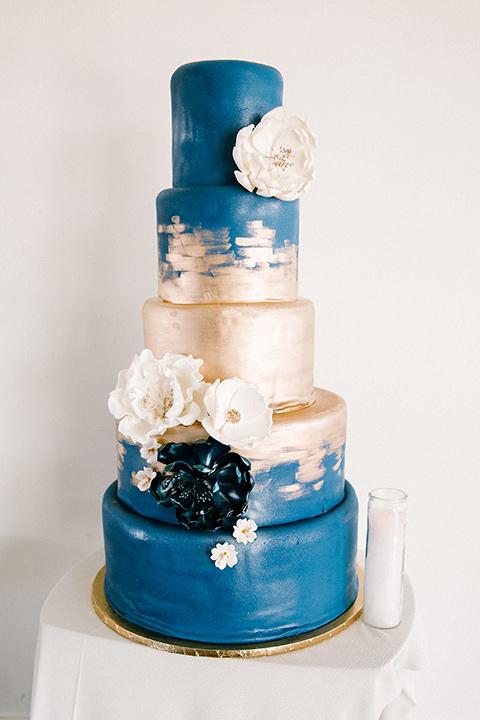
x=158 y=407
x=282 y=159
x=233 y=416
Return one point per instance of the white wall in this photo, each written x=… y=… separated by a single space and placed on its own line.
x=389 y=254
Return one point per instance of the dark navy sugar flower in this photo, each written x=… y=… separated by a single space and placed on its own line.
x=204 y=480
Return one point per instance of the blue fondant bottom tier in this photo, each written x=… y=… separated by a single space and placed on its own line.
x=292 y=579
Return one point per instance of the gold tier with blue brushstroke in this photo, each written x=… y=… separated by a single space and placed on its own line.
x=299 y=471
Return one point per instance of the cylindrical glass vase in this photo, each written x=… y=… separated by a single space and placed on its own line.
x=384 y=559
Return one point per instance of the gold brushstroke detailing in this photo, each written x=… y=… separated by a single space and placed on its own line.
x=299 y=490
x=296 y=488
x=202 y=265
x=233 y=416
x=184 y=647
x=338 y=464
x=120 y=452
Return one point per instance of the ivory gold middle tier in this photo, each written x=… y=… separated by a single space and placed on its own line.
x=269 y=344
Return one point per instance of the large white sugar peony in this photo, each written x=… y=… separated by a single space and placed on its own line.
x=237 y=414
x=275 y=157
x=153 y=395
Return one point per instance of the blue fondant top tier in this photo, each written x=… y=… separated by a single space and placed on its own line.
x=211 y=102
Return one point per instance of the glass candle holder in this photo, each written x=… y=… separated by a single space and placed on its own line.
x=384 y=559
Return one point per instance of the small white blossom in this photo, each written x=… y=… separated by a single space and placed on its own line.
x=149 y=450
x=237 y=414
x=275 y=157
x=143 y=478
x=224 y=554
x=244 y=531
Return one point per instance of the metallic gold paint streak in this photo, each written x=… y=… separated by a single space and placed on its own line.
x=120 y=451
x=231 y=285
x=336 y=467
x=200 y=266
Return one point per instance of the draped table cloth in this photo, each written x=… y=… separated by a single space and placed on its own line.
x=86 y=671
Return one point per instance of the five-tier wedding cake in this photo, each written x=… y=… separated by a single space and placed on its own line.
x=230 y=520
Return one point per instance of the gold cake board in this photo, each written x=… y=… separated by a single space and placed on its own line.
x=187 y=647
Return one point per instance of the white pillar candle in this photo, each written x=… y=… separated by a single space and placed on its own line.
x=383 y=585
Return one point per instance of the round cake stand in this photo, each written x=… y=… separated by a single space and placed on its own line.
x=186 y=647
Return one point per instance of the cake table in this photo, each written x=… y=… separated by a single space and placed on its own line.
x=86 y=671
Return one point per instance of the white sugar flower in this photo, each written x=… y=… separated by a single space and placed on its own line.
x=237 y=414
x=224 y=554
x=149 y=451
x=143 y=478
x=153 y=395
x=244 y=531
x=275 y=156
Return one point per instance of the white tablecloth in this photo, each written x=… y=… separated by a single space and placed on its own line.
x=86 y=671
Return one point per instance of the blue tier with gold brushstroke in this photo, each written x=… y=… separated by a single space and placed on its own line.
x=221 y=244
x=298 y=472
x=292 y=579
